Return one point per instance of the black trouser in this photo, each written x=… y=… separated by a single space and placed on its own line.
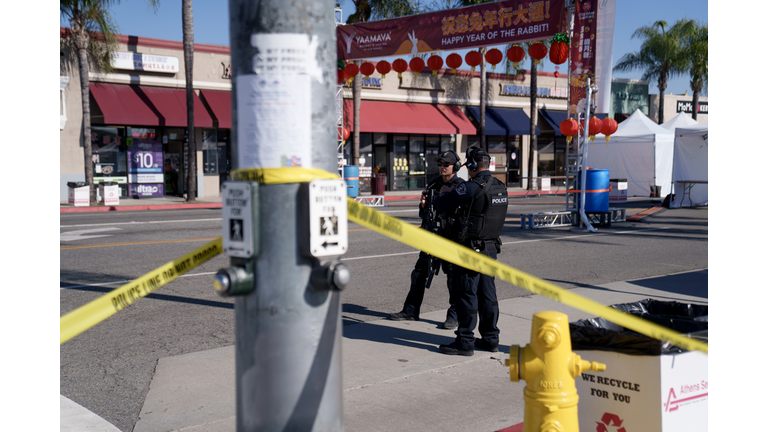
x=419 y=277
x=476 y=292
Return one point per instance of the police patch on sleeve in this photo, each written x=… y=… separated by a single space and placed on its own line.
x=461 y=189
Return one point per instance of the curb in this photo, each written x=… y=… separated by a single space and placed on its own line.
x=138 y=207
x=103 y=208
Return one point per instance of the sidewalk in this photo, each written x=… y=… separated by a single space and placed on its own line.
x=394 y=378
x=179 y=203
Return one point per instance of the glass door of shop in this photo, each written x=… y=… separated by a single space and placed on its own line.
x=417 y=178
x=513 y=161
x=400 y=165
x=432 y=153
x=497 y=148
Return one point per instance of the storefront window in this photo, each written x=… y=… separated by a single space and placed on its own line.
x=432 y=152
x=108 y=152
x=210 y=152
x=447 y=142
x=400 y=168
x=223 y=150
x=546 y=166
x=416 y=162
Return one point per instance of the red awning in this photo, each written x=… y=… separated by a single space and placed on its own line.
x=221 y=105
x=398 y=117
x=146 y=106
x=172 y=106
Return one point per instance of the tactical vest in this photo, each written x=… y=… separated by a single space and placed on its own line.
x=488 y=210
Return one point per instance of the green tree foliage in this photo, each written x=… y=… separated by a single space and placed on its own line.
x=661 y=56
x=696 y=49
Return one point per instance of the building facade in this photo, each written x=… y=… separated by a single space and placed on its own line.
x=627 y=96
x=675 y=104
x=138 y=121
x=138 y=118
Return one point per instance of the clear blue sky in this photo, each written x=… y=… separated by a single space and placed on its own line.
x=212 y=25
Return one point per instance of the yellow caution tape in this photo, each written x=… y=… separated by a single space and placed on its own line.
x=281 y=175
x=468 y=258
x=88 y=315
x=85 y=317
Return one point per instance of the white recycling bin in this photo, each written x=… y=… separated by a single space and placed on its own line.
x=78 y=194
x=109 y=193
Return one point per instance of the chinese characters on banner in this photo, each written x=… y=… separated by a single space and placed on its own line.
x=583 y=47
x=500 y=23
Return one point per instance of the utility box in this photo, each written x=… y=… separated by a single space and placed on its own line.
x=618 y=192
x=78 y=194
x=651 y=386
x=109 y=193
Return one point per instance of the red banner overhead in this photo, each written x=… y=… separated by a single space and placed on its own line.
x=583 y=46
x=499 y=23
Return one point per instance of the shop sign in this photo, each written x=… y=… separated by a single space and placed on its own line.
x=110 y=179
x=625 y=95
x=146 y=190
x=145 y=157
x=144 y=62
x=145 y=178
x=516 y=90
x=227 y=71
x=372 y=82
x=687 y=107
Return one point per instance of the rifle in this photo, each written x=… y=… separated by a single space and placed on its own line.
x=434 y=225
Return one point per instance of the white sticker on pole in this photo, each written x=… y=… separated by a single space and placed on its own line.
x=327 y=218
x=286 y=54
x=274 y=104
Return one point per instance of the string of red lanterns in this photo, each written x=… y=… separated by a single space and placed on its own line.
x=558 y=54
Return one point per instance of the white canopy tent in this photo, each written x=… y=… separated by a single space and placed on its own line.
x=691 y=164
x=640 y=151
x=681 y=120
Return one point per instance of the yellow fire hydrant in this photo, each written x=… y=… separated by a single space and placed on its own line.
x=549 y=368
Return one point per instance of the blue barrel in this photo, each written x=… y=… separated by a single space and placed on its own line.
x=352 y=179
x=597 y=194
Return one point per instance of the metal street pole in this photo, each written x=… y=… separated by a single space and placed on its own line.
x=288 y=311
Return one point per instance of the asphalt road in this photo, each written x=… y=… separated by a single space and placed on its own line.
x=108 y=368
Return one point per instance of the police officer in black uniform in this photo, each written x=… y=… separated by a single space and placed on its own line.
x=482 y=204
x=448 y=164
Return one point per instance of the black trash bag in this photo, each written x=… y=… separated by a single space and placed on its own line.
x=602 y=335
x=76 y=184
x=670 y=308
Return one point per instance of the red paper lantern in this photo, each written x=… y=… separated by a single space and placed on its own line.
x=435 y=62
x=367 y=69
x=341 y=76
x=558 y=52
x=494 y=57
x=416 y=64
x=383 y=67
x=537 y=51
x=595 y=126
x=473 y=58
x=399 y=66
x=453 y=61
x=569 y=128
x=350 y=70
x=610 y=126
x=515 y=54
x=557 y=74
x=345 y=134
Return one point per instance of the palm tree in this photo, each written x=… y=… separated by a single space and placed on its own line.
x=661 y=55
x=189 y=54
x=697 y=52
x=92 y=37
x=366 y=10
